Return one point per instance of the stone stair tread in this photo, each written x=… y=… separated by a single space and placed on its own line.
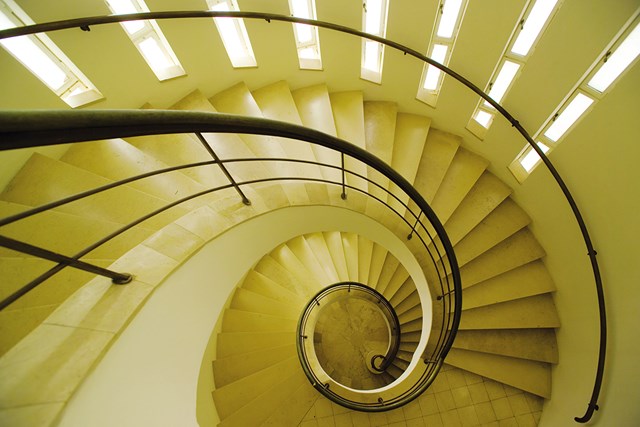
x=531 y=312
x=530 y=344
x=409 y=140
x=261 y=284
x=301 y=248
x=273 y=270
x=116 y=159
x=348 y=115
x=413 y=300
x=506 y=220
x=336 y=251
x=520 y=248
x=410 y=314
x=43 y=180
x=400 y=276
x=233 y=396
x=314 y=107
x=530 y=376
x=294 y=407
x=379 y=127
x=365 y=251
x=391 y=264
x=404 y=292
x=464 y=171
x=487 y=194
x=319 y=247
x=350 y=246
x=438 y=153
x=245 y=321
x=246 y=300
x=524 y=281
x=304 y=282
x=229 y=369
x=232 y=344
x=378 y=255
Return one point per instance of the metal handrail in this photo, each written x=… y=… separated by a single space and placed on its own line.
x=35 y=128
x=390 y=314
x=87 y=22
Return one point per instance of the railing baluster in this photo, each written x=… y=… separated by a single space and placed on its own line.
x=343 y=196
x=223 y=168
x=413 y=229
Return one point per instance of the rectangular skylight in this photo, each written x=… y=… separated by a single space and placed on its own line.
x=307 y=40
x=617 y=62
x=568 y=117
x=483 y=118
x=532 y=26
x=503 y=81
x=148 y=39
x=234 y=35
x=432 y=79
x=45 y=60
x=443 y=38
x=450 y=13
x=374 y=21
x=531 y=159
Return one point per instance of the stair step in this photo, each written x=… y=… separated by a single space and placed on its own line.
x=504 y=221
x=530 y=344
x=350 y=246
x=407 y=289
x=314 y=107
x=413 y=300
x=410 y=315
x=394 y=371
x=464 y=171
x=391 y=264
x=231 y=344
x=379 y=128
x=262 y=285
x=68 y=233
x=348 y=116
x=301 y=248
x=409 y=141
x=230 y=369
x=524 y=281
x=276 y=103
x=411 y=326
x=319 y=247
x=537 y=311
x=247 y=300
x=439 y=151
x=43 y=180
x=233 y=396
x=487 y=193
x=272 y=269
x=400 y=276
x=245 y=321
x=365 y=252
x=378 y=255
x=293 y=409
x=533 y=377
x=337 y=252
x=519 y=249
x=305 y=284
x=116 y=159
x=404 y=355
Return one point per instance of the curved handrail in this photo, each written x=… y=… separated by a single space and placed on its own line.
x=389 y=312
x=34 y=128
x=85 y=23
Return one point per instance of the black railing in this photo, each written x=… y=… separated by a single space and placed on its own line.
x=306 y=346
x=31 y=129
x=85 y=24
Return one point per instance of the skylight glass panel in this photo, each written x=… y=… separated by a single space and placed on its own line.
x=533 y=26
x=234 y=34
x=503 y=81
x=531 y=159
x=148 y=39
x=45 y=60
x=617 y=62
x=568 y=117
x=307 y=40
x=483 y=118
x=374 y=21
x=449 y=18
x=432 y=79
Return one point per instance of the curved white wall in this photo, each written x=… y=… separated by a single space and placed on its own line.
x=149 y=377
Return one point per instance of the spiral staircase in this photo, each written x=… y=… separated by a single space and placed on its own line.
x=499 y=369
